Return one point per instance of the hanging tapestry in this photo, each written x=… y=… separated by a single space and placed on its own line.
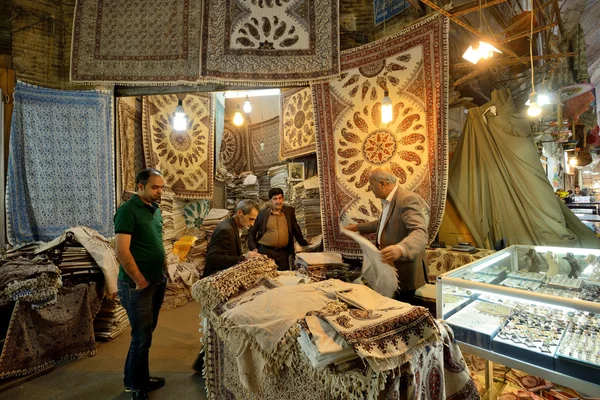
x=233 y=149
x=186 y=159
x=270 y=42
x=136 y=41
x=297 y=124
x=131 y=149
x=267 y=134
x=61 y=152
x=352 y=140
x=194 y=213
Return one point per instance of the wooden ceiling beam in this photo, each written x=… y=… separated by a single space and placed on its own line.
x=526 y=17
x=527 y=33
x=499 y=61
x=472 y=6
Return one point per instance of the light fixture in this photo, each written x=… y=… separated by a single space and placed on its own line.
x=262 y=145
x=247 y=107
x=386 y=108
x=573 y=161
x=238 y=118
x=541 y=99
x=179 y=119
x=534 y=109
x=483 y=51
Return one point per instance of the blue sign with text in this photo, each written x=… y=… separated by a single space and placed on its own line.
x=385 y=9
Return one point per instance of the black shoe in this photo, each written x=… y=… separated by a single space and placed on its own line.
x=139 y=395
x=199 y=363
x=153 y=384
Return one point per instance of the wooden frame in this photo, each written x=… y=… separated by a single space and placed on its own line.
x=296 y=172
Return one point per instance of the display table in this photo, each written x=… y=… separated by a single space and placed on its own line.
x=533 y=308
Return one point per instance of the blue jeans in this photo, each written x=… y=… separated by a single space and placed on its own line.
x=142 y=308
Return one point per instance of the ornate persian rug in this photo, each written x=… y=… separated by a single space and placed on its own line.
x=37 y=338
x=270 y=42
x=233 y=149
x=297 y=124
x=61 y=150
x=131 y=149
x=136 y=41
x=267 y=133
x=186 y=159
x=352 y=140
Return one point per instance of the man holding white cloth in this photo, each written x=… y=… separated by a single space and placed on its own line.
x=401 y=232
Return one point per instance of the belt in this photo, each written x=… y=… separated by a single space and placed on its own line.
x=264 y=246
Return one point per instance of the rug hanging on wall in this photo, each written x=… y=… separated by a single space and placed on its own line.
x=297 y=124
x=136 y=42
x=263 y=144
x=233 y=149
x=131 y=149
x=61 y=166
x=186 y=159
x=352 y=140
x=270 y=42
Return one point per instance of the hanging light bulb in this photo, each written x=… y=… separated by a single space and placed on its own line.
x=483 y=50
x=573 y=161
x=247 y=107
x=534 y=109
x=238 y=118
x=179 y=119
x=386 y=108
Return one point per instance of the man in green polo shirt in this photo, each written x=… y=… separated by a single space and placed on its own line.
x=142 y=281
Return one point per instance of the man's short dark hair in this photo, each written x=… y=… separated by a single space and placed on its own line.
x=274 y=192
x=143 y=176
x=577 y=186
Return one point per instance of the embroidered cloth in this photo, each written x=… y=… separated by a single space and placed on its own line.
x=270 y=42
x=194 y=213
x=352 y=140
x=131 y=147
x=297 y=124
x=154 y=41
x=233 y=149
x=61 y=150
x=33 y=281
x=37 y=338
x=186 y=159
x=440 y=261
x=267 y=133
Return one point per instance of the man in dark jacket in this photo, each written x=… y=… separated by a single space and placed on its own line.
x=274 y=231
x=225 y=248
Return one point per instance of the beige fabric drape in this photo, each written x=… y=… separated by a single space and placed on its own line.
x=499 y=187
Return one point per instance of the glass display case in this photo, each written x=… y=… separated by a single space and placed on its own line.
x=533 y=308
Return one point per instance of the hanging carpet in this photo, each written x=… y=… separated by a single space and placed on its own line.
x=233 y=149
x=186 y=159
x=60 y=167
x=500 y=188
x=155 y=41
x=131 y=149
x=352 y=140
x=297 y=124
x=270 y=42
x=267 y=133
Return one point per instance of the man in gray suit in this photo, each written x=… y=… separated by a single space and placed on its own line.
x=401 y=232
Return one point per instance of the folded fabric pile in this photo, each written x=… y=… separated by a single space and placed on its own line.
x=35 y=281
x=321 y=266
x=166 y=208
x=250 y=186
x=238 y=190
x=221 y=173
x=197 y=254
x=111 y=320
x=212 y=219
x=278 y=176
x=307 y=201
x=179 y=223
x=264 y=185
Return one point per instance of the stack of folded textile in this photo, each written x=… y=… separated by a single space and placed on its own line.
x=307 y=201
x=179 y=224
x=166 y=208
x=35 y=281
x=250 y=186
x=111 y=320
x=279 y=175
x=264 y=185
x=212 y=219
x=321 y=266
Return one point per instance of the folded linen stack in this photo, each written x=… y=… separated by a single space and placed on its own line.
x=264 y=185
x=212 y=219
x=111 y=320
x=250 y=187
x=308 y=206
x=279 y=175
x=321 y=266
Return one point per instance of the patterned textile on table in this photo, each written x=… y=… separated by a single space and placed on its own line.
x=154 y=41
x=37 y=338
x=297 y=124
x=97 y=246
x=266 y=132
x=61 y=150
x=186 y=159
x=270 y=42
x=352 y=140
x=440 y=261
x=233 y=149
x=33 y=281
x=194 y=213
x=131 y=149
